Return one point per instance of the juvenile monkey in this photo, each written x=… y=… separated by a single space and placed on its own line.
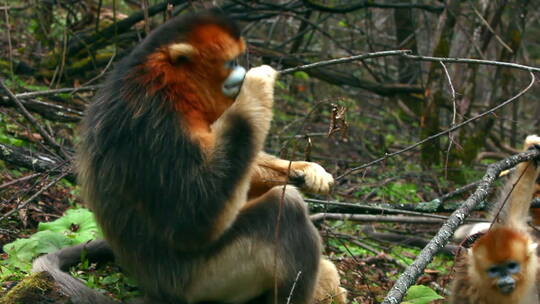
x=502 y=265
x=171 y=164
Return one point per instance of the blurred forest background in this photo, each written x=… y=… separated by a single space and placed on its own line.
x=54 y=54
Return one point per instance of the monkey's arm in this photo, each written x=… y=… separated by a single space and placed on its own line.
x=271 y=171
x=237 y=137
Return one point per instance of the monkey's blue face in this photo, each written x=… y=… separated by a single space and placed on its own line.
x=232 y=84
x=503 y=275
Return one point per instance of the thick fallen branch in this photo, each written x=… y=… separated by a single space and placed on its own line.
x=401 y=239
x=421 y=209
x=370 y=218
x=48 y=110
x=446 y=232
x=35 y=161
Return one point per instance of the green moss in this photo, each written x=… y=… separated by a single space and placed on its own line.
x=36 y=288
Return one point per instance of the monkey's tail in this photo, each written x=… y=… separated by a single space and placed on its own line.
x=57 y=263
x=520 y=189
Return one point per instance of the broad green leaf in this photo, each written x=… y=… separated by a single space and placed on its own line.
x=50 y=241
x=78 y=224
x=419 y=294
x=301 y=75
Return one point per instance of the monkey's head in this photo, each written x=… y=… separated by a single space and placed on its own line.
x=192 y=62
x=504 y=260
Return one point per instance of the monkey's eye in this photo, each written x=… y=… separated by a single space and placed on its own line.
x=493 y=271
x=513 y=267
x=230 y=64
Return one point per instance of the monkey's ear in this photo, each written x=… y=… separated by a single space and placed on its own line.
x=181 y=51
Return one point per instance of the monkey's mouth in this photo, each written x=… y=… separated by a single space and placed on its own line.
x=506 y=287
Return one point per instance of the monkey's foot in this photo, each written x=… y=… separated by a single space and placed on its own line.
x=312 y=177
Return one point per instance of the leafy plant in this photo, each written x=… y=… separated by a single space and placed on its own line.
x=419 y=294
x=75 y=227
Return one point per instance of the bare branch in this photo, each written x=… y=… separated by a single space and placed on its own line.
x=32 y=160
x=371 y=218
x=365 y=4
x=447 y=131
x=34 y=196
x=407 y=240
x=344 y=60
x=57 y=91
x=473 y=61
x=46 y=136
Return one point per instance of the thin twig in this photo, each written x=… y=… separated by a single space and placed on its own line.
x=432 y=137
x=293 y=286
x=103 y=71
x=19 y=180
x=46 y=136
x=454 y=114
x=10 y=46
x=474 y=61
x=57 y=91
x=344 y=60
x=488 y=26
x=34 y=196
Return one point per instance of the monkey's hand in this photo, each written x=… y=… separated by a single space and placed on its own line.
x=254 y=103
x=532 y=141
x=311 y=177
x=258 y=86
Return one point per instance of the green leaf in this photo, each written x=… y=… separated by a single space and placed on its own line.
x=78 y=224
x=50 y=241
x=21 y=252
x=419 y=294
x=113 y=278
x=301 y=75
x=75 y=227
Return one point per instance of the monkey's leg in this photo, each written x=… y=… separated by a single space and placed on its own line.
x=270 y=171
x=298 y=250
x=57 y=263
x=263 y=252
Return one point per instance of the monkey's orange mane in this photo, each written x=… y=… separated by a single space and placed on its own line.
x=187 y=83
x=502 y=244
